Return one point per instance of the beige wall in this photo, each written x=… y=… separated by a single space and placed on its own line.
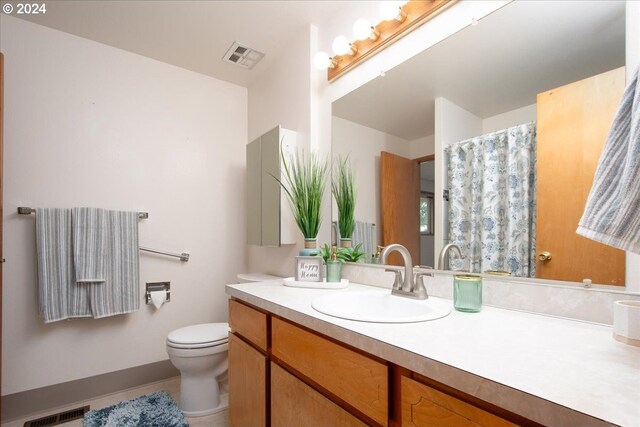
x=363 y=145
x=282 y=96
x=91 y=125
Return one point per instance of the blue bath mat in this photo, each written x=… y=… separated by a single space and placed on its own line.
x=151 y=410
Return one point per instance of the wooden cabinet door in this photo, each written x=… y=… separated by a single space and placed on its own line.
x=400 y=204
x=293 y=403
x=357 y=379
x=425 y=406
x=247 y=385
x=573 y=122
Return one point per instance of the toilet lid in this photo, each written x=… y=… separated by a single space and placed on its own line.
x=200 y=335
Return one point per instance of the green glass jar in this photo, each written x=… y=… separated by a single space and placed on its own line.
x=467 y=293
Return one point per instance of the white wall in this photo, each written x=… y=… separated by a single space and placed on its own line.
x=283 y=96
x=90 y=125
x=452 y=124
x=363 y=145
x=422 y=147
x=510 y=118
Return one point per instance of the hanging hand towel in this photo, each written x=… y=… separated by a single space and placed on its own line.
x=59 y=296
x=612 y=212
x=120 y=293
x=89 y=244
x=364 y=235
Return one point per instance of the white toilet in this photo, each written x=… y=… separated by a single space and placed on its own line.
x=199 y=352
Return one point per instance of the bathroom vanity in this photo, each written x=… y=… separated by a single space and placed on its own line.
x=289 y=363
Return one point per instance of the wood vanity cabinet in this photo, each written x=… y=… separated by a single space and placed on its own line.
x=425 y=406
x=248 y=366
x=357 y=380
x=293 y=403
x=284 y=375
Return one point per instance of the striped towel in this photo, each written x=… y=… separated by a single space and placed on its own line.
x=364 y=234
x=120 y=293
x=58 y=295
x=612 y=215
x=89 y=243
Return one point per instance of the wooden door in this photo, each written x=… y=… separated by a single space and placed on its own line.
x=573 y=122
x=293 y=403
x=399 y=204
x=247 y=385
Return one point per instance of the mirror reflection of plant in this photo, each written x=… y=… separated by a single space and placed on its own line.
x=344 y=254
x=304 y=183
x=344 y=191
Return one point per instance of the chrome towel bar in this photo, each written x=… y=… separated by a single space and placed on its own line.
x=28 y=211
x=142 y=215
x=183 y=256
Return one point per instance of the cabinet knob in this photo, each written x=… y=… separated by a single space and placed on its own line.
x=544 y=256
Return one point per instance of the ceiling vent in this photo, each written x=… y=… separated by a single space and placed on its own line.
x=242 y=56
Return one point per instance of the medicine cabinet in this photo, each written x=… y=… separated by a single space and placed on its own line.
x=269 y=218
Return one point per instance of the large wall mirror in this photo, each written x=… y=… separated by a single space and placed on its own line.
x=529 y=92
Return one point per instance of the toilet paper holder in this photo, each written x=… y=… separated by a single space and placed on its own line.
x=157 y=286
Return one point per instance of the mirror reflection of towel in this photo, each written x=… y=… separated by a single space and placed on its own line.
x=612 y=215
x=364 y=234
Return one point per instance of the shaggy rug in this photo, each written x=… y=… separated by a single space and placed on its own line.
x=151 y=410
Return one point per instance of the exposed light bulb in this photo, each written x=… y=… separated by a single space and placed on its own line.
x=340 y=45
x=362 y=29
x=321 y=60
x=390 y=9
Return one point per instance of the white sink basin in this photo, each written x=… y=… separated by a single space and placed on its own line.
x=379 y=306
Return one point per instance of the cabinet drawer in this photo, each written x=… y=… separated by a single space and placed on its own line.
x=248 y=322
x=360 y=381
x=294 y=403
x=425 y=406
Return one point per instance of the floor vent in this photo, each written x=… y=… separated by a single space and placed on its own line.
x=59 y=418
x=242 y=56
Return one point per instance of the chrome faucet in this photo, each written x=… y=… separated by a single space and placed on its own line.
x=443 y=259
x=411 y=286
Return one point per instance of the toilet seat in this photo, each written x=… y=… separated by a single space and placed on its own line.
x=199 y=336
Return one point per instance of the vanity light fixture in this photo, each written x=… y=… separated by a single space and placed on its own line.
x=390 y=10
x=399 y=19
x=362 y=30
x=323 y=61
x=341 y=46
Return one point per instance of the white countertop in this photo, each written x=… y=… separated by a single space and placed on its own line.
x=547 y=369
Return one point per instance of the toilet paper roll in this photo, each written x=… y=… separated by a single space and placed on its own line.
x=158 y=298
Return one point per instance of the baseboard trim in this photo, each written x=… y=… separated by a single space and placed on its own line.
x=19 y=405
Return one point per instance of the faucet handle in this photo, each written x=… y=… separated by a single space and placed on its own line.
x=397 y=281
x=419 y=288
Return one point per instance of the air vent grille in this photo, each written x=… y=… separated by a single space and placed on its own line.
x=59 y=418
x=242 y=56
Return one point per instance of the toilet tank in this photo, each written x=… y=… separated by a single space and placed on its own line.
x=255 y=277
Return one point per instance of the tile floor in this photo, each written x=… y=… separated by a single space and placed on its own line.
x=172 y=386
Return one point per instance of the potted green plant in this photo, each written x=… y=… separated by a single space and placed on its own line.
x=304 y=182
x=344 y=192
x=354 y=254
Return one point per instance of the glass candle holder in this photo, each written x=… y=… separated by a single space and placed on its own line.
x=467 y=293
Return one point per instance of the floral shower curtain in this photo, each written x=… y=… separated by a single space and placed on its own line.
x=492 y=201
